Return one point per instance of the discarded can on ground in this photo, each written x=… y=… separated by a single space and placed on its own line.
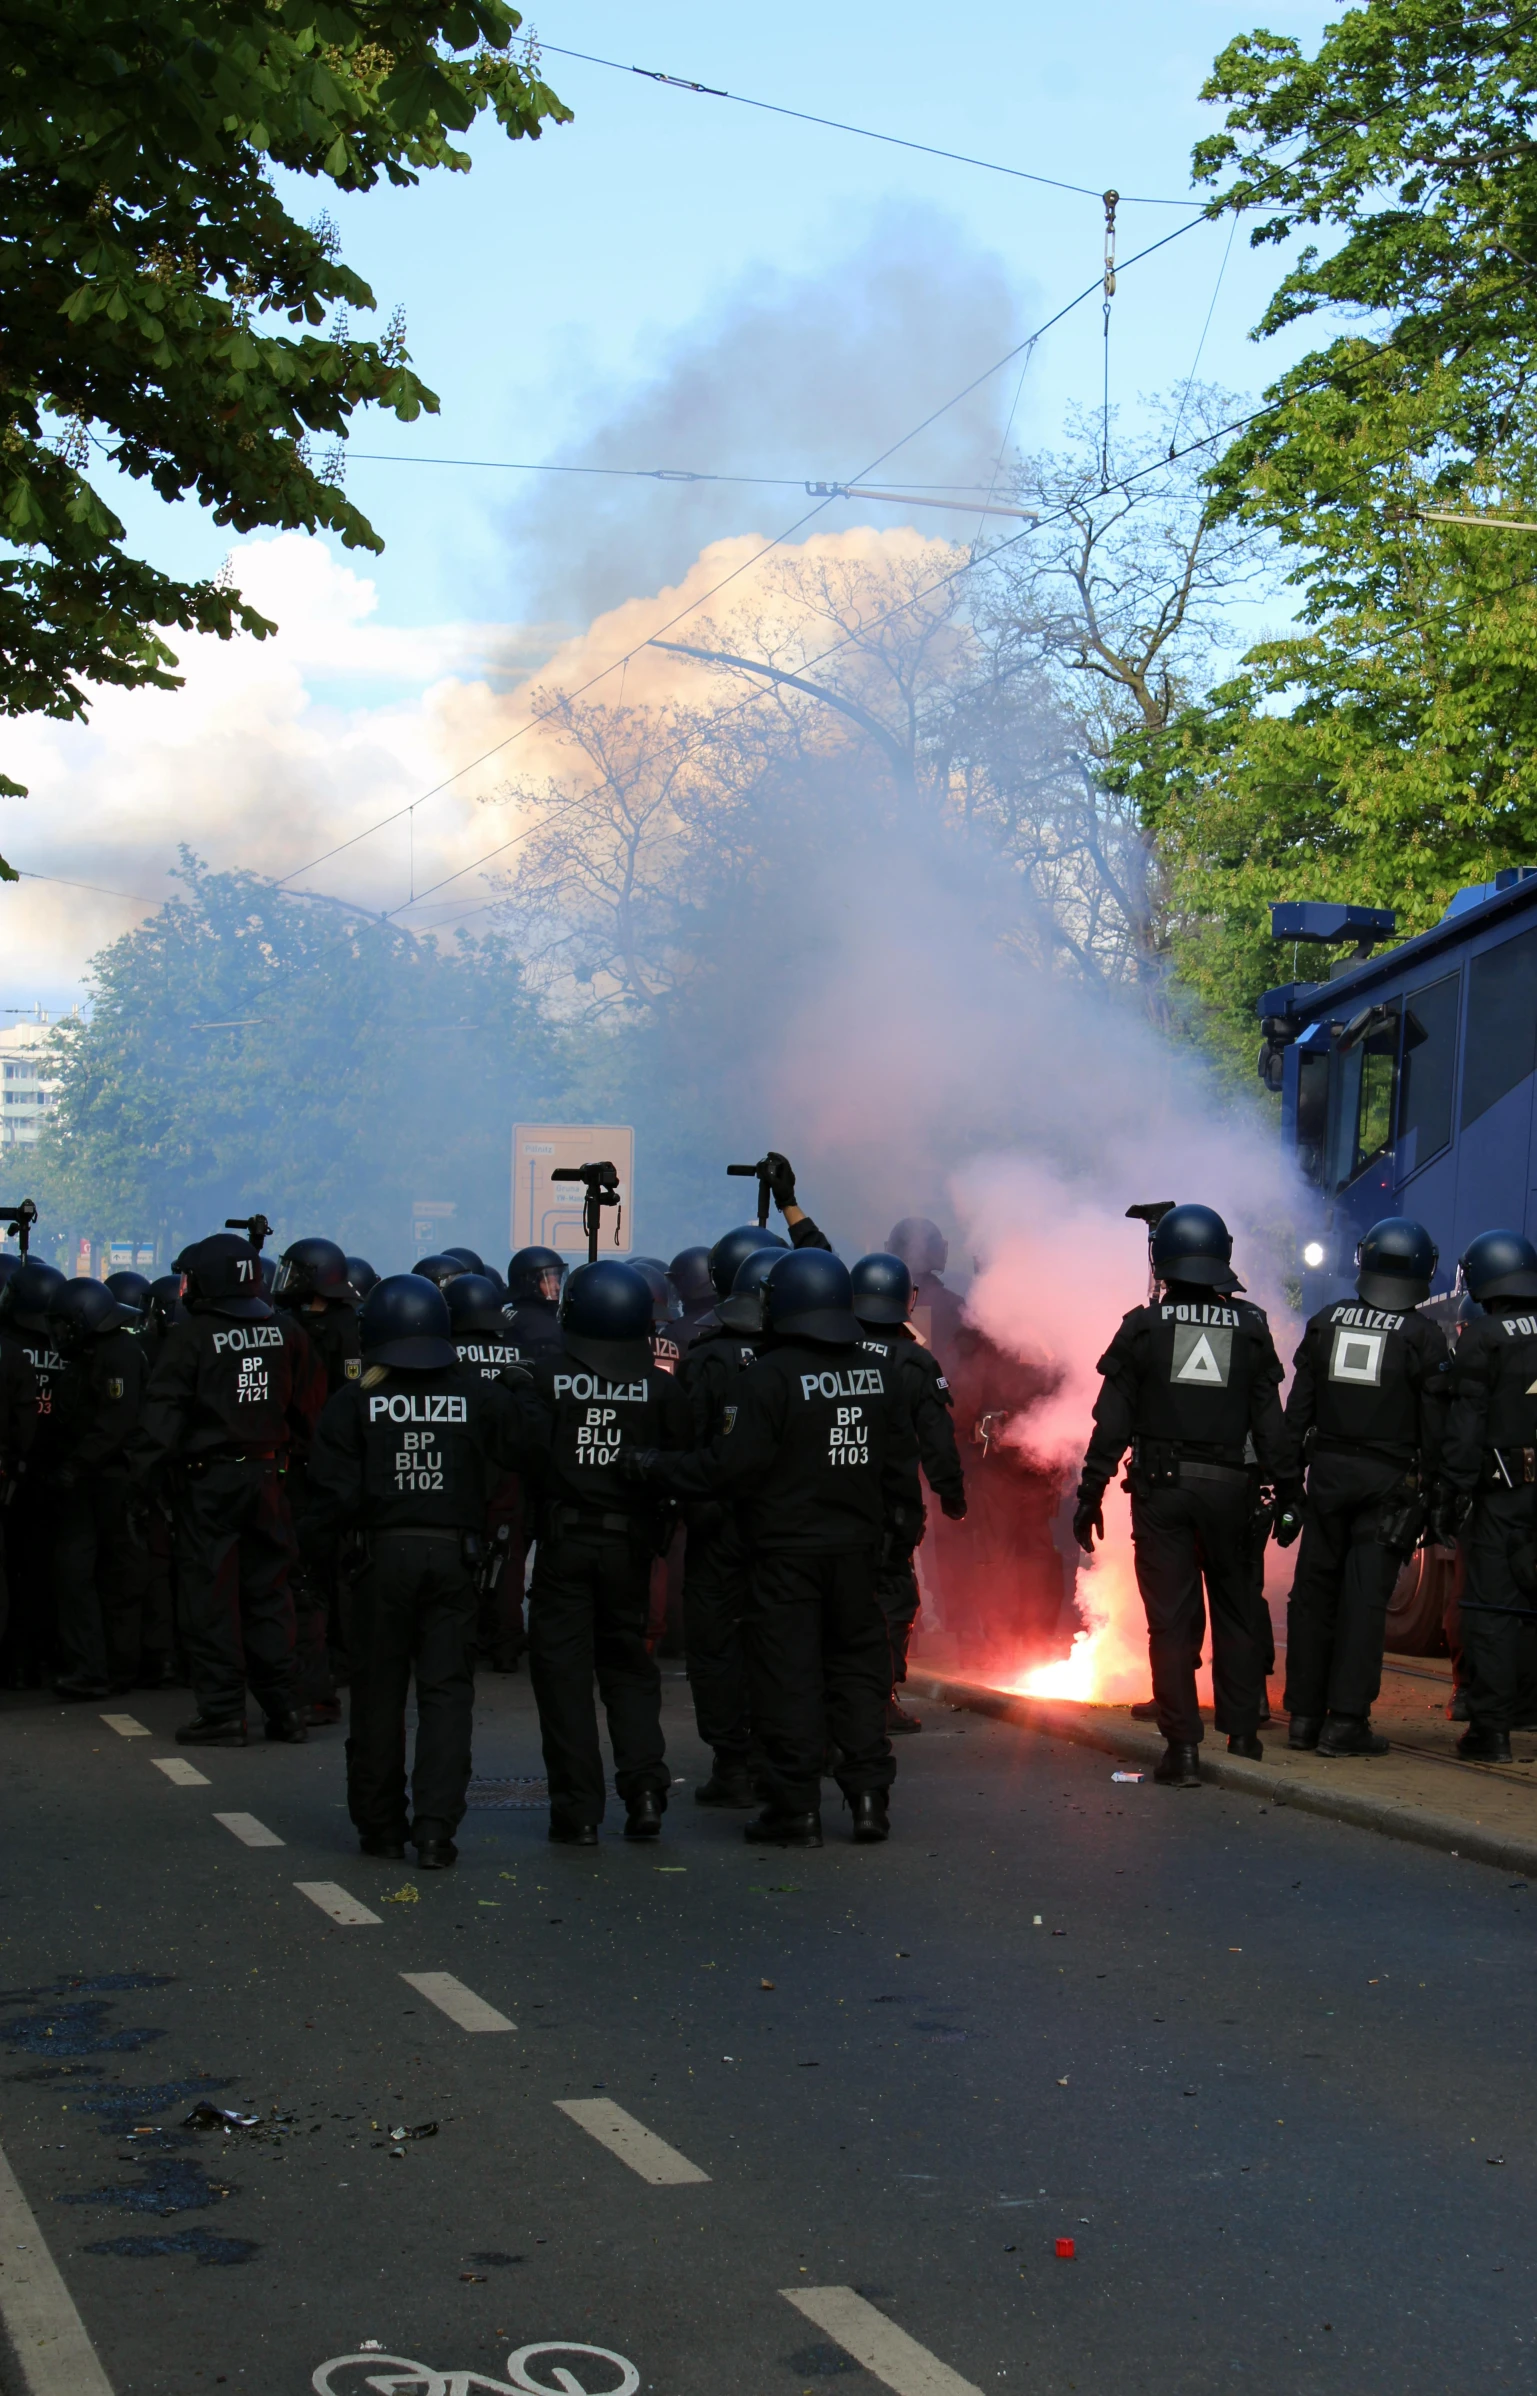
x=1128 y=1776
x=1067 y=2249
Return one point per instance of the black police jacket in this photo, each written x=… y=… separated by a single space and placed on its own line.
x=99 y=1408
x=1370 y=1380
x=401 y=1450
x=332 y=1331
x=493 y=1358
x=18 y=1404
x=54 y=1375
x=928 y=1399
x=577 y=1424
x=1493 y=1384
x=248 y=1387
x=532 y=1326
x=816 y=1450
x=708 y=1376
x=1193 y=1375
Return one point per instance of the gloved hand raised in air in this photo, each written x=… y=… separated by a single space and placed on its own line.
x=1287 y=1521
x=1089 y=1519
x=781 y=1179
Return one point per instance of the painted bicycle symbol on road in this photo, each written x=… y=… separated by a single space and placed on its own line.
x=397 y=2375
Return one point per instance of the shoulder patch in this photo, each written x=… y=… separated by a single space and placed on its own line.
x=114 y=1389
x=728 y=1418
x=374 y=1375
x=352 y=1368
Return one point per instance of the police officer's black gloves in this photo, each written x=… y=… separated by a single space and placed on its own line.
x=1287 y=1520
x=1448 y=1516
x=1089 y=1518
x=781 y=1179
x=637 y=1464
x=954 y=1507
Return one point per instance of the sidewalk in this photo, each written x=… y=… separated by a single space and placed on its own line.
x=1420 y=1791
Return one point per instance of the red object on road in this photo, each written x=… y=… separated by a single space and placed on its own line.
x=1066 y=2250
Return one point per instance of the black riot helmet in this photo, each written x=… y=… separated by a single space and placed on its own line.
x=666 y=1305
x=224 y=1277
x=883 y=1289
x=361 y=1274
x=1396 y=1263
x=605 y=1317
x=313 y=1269
x=404 y=1321
x=130 y=1289
x=807 y=1296
x=468 y=1258
x=689 y=1274
x=732 y=1246
x=921 y=1245
x=1500 y=1264
x=165 y=1302
x=527 y=1272
x=743 y=1310
x=1192 y=1244
x=85 y=1310
x=27 y=1296
x=475 y=1304
x=439 y=1270
x=10 y=1263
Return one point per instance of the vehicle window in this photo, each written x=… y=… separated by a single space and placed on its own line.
x=1429 y=1064
x=1501 y=1043
x=1379 y=1084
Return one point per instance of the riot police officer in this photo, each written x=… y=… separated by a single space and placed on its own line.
x=1489 y=1466
x=883 y=1301
x=817 y=1451
x=1366 y=1410
x=925 y=1251
x=131 y=1290
x=407 y=1456
x=313 y=1283
x=689 y=1273
x=18 y=1429
x=666 y=1311
x=1190 y=1381
x=534 y=1279
x=483 y=1344
x=362 y=1276
x=598 y=1396
x=26 y=1300
x=98 y=1575
x=234 y=1385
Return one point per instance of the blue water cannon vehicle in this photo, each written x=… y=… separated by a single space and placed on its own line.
x=1408 y=1076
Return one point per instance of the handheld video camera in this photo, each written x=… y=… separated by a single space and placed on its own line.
x=602 y=1188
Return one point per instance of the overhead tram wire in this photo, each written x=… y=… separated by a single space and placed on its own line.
x=903 y=607
x=831 y=124
x=397 y=814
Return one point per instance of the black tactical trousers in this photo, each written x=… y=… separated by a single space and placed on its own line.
x=234 y=1551
x=819 y=1667
x=99 y=1580
x=314 y=1574
x=412 y=1611
x=896 y=1586
x=28 y=1530
x=1338 y=1608
x=1182 y=1537
x=714 y=1602
x=587 y=1609
x=1499 y=1617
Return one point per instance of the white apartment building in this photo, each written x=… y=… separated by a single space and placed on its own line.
x=26 y=1092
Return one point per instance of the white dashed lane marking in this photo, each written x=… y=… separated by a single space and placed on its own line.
x=45 y=2333
x=649 y=2157
x=336 y=1902
x=126 y=1727
x=249 y=1831
x=878 y=2343
x=176 y=1768
x=459 y=2003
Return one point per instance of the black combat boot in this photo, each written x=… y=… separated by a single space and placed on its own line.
x=643 y=1815
x=872 y=1817
x=1180 y=1767
x=1480 y=1746
x=1350 y=1734
x=435 y=1850
x=730 y=1785
x=1145 y=1710
x=1246 y=1744
x=213 y=1730
x=898 y=1719
x=389 y=1847
x=773 y=1829
x=566 y=1833
x=1303 y=1731
x=287 y=1730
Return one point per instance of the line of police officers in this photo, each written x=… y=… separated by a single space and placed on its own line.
x=1387 y=1436
x=345 y=1475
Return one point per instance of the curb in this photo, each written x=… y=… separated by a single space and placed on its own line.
x=1098 y=1727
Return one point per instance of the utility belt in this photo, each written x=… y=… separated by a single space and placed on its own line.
x=195 y=1467
x=652 y=1530
x=1163 y=1464
x=470 y=1545
x=1507 y=1468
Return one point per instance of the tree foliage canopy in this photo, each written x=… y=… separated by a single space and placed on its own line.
x=160 y=304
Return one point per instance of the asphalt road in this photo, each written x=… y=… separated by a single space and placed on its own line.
x=1272 y=2076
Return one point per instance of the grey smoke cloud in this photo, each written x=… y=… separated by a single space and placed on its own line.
x=812 y=373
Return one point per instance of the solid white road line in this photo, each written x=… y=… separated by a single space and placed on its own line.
x=650 y=2157
x=46 y=2334
x=878 y=2343
x=459 y=2003
x=336 y=1902
x=177 y=1768
x=126 y=1727
x=249 y=1831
